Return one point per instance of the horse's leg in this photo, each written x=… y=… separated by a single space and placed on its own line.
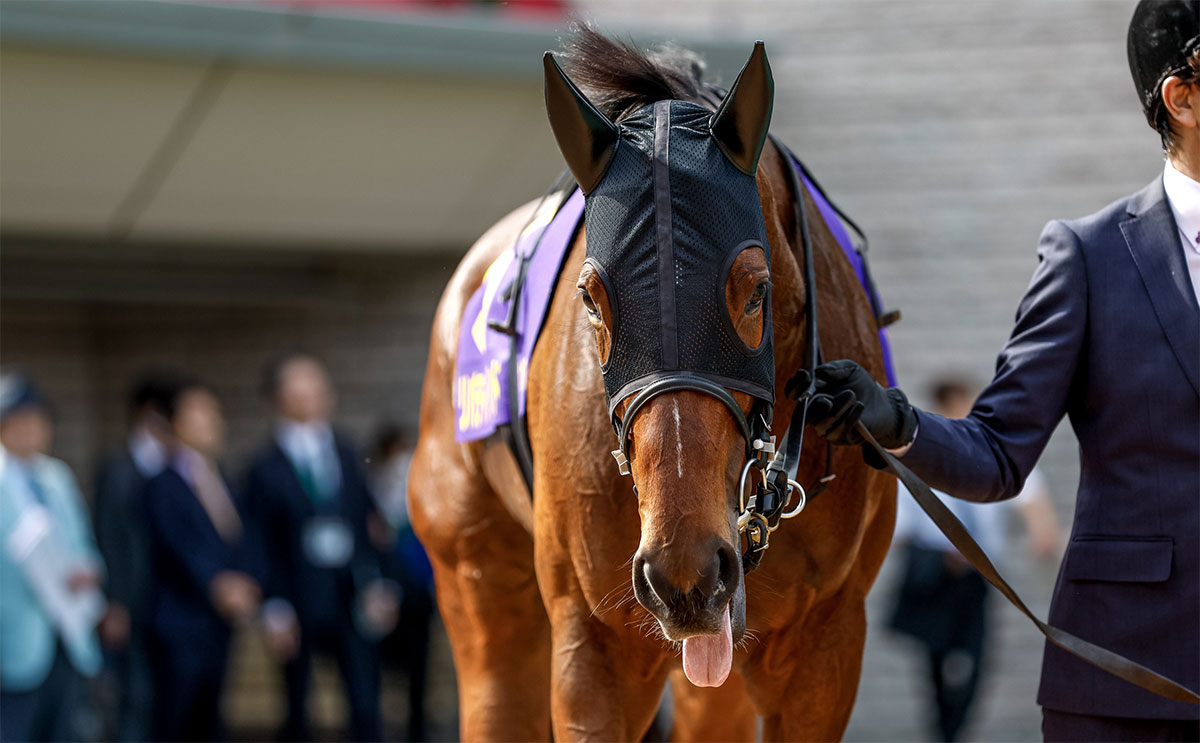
x=488 y=597
x=606 y=684
x=805 y=675
x=721 y=714
x=808 y=693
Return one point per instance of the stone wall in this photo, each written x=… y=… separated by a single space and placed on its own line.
x=84 y=329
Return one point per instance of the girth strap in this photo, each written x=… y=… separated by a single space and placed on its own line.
x=948 y=523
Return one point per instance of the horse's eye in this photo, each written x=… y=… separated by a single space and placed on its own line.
x=754 y=304
x=589 y=305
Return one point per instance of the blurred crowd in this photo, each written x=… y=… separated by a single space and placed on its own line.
x=310 y=546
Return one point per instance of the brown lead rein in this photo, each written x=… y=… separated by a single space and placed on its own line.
x=948 y=523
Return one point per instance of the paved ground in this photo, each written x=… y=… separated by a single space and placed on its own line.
x=892 y=694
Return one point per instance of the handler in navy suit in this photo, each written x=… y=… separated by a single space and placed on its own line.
x=203 y=572
x=324 y=588
x=1108 y=334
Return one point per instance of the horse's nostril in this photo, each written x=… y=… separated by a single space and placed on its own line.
x=709 y=581
x=659 y=585
x=727 y=566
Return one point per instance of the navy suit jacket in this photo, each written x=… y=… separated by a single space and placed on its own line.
x=280 y=510
x=120 y=521
x=1108 y=334
x=187 y=553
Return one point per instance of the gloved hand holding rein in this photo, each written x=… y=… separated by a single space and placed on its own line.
x=846 y=393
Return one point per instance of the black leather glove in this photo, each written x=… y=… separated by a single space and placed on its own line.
x=847 y=393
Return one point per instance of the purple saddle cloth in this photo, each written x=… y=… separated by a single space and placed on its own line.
x=481 y=370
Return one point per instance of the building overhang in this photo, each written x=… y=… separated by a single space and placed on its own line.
x=273 y=125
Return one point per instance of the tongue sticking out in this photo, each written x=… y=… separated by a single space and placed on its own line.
x=708 y=658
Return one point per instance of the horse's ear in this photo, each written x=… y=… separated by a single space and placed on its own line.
x=585 y=136
x=740 y=125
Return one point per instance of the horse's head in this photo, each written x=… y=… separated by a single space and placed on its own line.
x=676 y=286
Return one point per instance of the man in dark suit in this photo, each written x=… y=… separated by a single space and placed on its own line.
x=120 y=520
x=1108 y=334
x=324 y=588
x=204 y=571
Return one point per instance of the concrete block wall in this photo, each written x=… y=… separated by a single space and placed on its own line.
x=220 y=317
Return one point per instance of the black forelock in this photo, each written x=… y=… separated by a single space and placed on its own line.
x=619 y=78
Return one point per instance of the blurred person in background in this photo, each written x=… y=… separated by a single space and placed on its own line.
x=50 y=573
x=408 y=644
x=203 y=584
x=120 y=518
x=325 y=588
x=1108 y=335
x=941 y=601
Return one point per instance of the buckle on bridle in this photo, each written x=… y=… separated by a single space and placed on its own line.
x=763 y=447
x=622 y=462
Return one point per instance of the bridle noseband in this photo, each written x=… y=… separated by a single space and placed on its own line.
x=752 y=432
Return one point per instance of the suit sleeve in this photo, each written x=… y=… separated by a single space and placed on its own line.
x=179 y=534
x=987 y=455
x=367 y=564
x=111 y=518
x=264 y=548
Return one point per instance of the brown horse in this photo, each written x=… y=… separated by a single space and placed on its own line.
x=548 y=630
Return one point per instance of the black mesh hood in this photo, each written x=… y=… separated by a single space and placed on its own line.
x=663 y=226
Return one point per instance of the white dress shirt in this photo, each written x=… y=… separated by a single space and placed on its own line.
x=148 y=453
x=1183 y=194
x=311 y=446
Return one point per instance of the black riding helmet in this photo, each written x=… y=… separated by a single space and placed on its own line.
x=1162 y=35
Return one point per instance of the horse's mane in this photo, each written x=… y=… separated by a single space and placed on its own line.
x=619 y=78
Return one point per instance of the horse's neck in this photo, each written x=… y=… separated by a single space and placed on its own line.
x=846 y=321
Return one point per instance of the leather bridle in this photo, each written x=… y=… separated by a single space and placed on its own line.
x=678 y=381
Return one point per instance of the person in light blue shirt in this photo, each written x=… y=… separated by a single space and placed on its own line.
x=50 y=573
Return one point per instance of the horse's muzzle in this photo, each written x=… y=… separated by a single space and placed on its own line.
x=688 y=591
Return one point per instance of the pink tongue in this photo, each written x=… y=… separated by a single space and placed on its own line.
x=708 y=658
